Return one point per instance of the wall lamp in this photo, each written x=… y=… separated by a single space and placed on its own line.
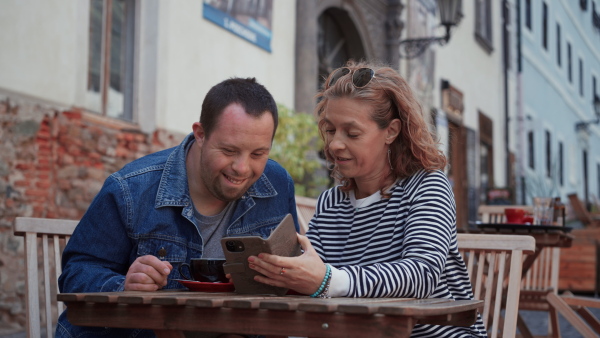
x=450 y=15
x=583 y=125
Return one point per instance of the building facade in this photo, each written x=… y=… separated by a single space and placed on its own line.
x=558 y=80
x=87 y=86
x=470 y=107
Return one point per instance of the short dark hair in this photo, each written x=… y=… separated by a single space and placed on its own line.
x=251 y=95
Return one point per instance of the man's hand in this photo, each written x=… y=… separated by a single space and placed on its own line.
x=147 y=273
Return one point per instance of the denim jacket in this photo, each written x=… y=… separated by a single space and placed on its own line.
x=146 y=209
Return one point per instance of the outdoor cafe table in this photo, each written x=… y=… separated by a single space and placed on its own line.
x=171 y=312
x=546 y=236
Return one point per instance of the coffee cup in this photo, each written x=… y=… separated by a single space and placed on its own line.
x=207 y=270
x=514 y=215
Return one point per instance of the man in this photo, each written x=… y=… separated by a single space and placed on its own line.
x=168 y=207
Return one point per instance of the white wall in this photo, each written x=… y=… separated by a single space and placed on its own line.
x=478 y=74
x=199 y=54
x=41 y=53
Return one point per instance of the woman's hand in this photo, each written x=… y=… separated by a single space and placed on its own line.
x=303 y=274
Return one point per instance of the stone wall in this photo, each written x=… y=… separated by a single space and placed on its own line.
x=53 y=161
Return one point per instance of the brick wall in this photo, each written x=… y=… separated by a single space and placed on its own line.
x=52 y=163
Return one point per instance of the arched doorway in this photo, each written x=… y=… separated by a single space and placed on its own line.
x=338 y=41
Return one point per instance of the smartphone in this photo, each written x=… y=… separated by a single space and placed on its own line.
x=282 y=242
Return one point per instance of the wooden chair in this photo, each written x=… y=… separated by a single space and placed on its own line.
x=495 y=213
x=494 y=264
x=590 y=220
x=45 y=239
x=540 y=279
x=305 y=208
x=575 y=310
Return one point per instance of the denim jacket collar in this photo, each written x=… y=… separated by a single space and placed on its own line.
x=174 y=190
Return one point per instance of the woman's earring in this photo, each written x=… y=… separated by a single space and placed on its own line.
x=390 y=159
x=329 y=165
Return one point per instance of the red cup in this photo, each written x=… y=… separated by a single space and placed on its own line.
x=514 y=215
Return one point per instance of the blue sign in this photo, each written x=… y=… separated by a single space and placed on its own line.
x=251 y=29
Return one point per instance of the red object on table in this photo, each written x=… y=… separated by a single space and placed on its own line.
x=514 y=215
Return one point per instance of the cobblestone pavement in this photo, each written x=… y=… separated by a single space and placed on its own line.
x=537 y=322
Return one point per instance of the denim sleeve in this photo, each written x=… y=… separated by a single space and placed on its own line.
x=98 y=255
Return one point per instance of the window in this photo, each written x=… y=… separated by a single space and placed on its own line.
x=483 y=23
x=528 y=14
x=569 y=63
x=545 y=25
x=598 y=177
x=594 y=84
x=548 y=154
x=561 y=174
x=486 y=156
x=581 y=77
x=530 y=147
x=558 y=49
x=110 y=67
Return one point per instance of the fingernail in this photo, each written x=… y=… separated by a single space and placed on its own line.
x=260 y=256
x=251 y=266
x=251 y=259
x=167 y=271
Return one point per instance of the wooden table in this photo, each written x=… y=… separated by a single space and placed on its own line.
x=534 y=293
x=546 y=236
x=171 y=312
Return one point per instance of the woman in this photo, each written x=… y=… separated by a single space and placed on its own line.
x=389 y=228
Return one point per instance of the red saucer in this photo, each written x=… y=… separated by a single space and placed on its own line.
x=207 y=287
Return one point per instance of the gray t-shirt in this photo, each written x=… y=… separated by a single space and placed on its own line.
x=212 y=229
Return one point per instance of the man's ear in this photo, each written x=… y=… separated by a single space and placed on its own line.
x=393 y=130
x=198 y=132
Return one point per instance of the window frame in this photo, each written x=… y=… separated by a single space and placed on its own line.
x=528 y=16
x=531 y=149
x=548 y=139
x=569 y=62
x=558 y=45
x=106 y=94
x=484 y=32
x=581 y=78
x=561 y=167
x=544 y=25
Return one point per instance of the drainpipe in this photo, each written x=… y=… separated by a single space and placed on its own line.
x=506 y=58
x=520 y=117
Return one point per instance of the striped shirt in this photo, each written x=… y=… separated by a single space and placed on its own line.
x=404 y=246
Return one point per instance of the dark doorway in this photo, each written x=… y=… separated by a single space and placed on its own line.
x=338 y=41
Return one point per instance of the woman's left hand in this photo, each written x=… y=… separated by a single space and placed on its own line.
x=303 y=274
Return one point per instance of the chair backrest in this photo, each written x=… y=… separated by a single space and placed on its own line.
x=544 y=272
x=582 y=214
x=495 y=263
x=495 y=213
x=305 y=208
x=44 y=239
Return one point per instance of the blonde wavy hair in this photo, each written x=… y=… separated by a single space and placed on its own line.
x=390 y=95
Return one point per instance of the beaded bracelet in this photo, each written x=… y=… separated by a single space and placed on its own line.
x=324 y=283
x=325 y=293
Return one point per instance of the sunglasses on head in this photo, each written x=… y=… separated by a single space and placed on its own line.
x=360 y=77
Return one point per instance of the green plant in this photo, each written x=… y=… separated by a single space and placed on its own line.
x=295 y=148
